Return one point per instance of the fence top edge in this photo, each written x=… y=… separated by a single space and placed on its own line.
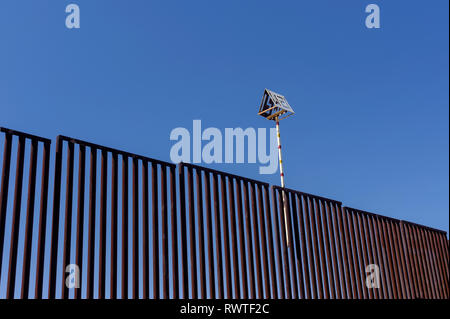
x=425 y=227
x=214 y=171
x=25 y=135
x=114 y=151
x=395 y=219
x=372 y=214
x=306 y=194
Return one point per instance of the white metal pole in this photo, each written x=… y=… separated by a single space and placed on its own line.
x=282 y=183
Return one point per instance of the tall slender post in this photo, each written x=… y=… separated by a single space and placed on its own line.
x=275 y=107
x=288 y=242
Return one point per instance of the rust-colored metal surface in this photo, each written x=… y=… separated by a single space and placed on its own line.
x=122 y=225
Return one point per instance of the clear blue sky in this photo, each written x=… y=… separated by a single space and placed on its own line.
x=372 y=106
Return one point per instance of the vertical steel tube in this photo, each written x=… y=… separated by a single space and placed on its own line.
x=10 y=288
x=426 y=266
x=4 y=191
x=334 y=250
x=388 y=256
x=262 y=231
x=55 y=219
x=440 y=264
x=218 y=236
x=392 y=242
x=316 y=246
x=373 y=222
x=191 y=236
x=114 y=224
x=290 y=248
x=431 y=263
x=276 y=238
x=42 y=222
x=399 y=259
x=135 y=235
x=225 y=231
x=328 y=268
x=259 y=288
x=349 y=250
x=183 y=235
x=102 y=235
x=234 y=249
x=303 y=242
x=192 y=250
x=174 y=232
x=244 y=294
x=268 y=222
x=124 y=271
x=368 y=294
x=200 y=231
x=312 y=267
x=145 y=232
x=421 y=269
x=67 y=219
x=356 y=249
x=209 y=235
x=408 y=263
x=368 y=242
x=283 y=237
x=80 y=214
x=91 y=234
x=295 y=249
x=415 y=261
x=29 y=221
x=248 y=239
x=340 y=250
x=164 y=233
x=155 y=232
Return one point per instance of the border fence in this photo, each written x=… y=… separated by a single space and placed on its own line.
x=124 y=226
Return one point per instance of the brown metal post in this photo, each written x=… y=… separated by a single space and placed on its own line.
x=283 y=238
x=225 y=231
x=183 y=234
x=155 y=232
x=102 y=223
x=67 y=219
x=244 y=294
x=231 y=205
x=259 y=286
x=135 y=229
x=248 y=233
x=174 y=231
x=11 y=284
x=304 y=250
x=209 y=236
x=124 y=256
x=145 y=232
x=312 y=267
x=42 y=222
x=29 y=221
x=114 y=224
x=200 y=232
x=91 y=234
x=4 y=191
x=55 y=219
x=276 y=238
x=164 y=233
x=192 y=249
x=218 y=236
x=271 y=257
